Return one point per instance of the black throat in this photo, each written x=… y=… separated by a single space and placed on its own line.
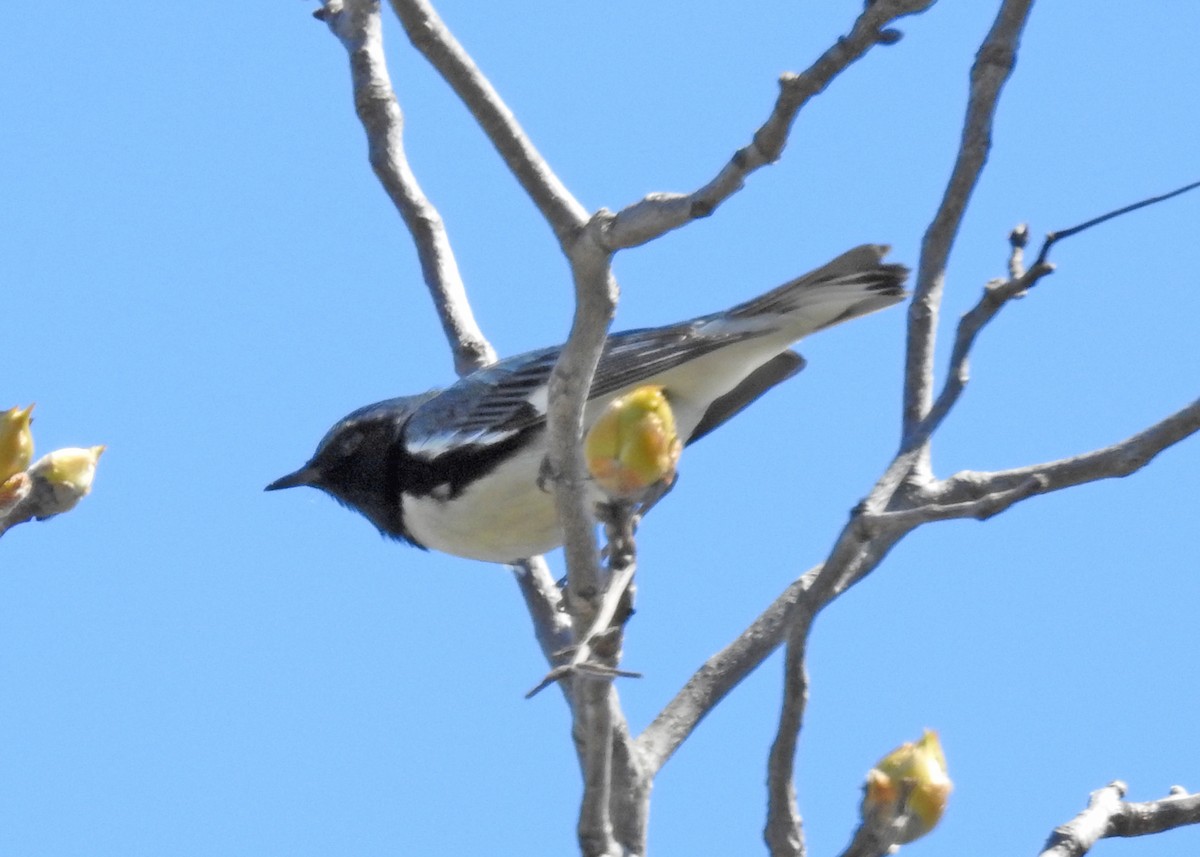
x=443 y=478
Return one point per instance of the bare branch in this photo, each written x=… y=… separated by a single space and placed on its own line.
x=630 y=788
x=659 y=213
x=885 y=518
x=869 y=841
x=784 y=833
x=981 y=508
x=994 y=63
x=595 y=305
x=593 y=725
x=995 y=296
x=1120 y=459
x=856 y=552
x=543 y=599
x=597 y=635
x=629 y=793
x=1148 y=817
x=1107 y=815
x=721 y=673
x=618 y=770
x=629 y=797
x=867 y=539
x=357 y=25
x=599 y=724
x=616 y=790
x=430 y=36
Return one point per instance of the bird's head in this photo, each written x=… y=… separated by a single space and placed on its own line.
x=359 y=462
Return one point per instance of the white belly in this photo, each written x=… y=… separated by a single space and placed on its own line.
x=503 y=518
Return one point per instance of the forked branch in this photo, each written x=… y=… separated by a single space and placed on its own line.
x=357 y=25
x=996 y=295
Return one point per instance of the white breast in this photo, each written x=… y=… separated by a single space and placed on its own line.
x=501 y=518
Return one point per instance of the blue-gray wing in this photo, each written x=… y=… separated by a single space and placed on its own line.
x=486 y=407
x=493 y=404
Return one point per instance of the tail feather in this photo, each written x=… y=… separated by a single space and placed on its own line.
x=855 y=283
x=779 y=368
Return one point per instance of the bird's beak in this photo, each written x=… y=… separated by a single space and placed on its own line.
x=306 y=475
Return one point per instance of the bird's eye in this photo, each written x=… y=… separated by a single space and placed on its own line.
x=350 y=443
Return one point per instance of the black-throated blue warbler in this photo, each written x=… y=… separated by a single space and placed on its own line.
x=456 y=470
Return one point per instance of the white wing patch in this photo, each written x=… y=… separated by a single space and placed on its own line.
x=433 y=446
x=539 y=399
x=492 y=418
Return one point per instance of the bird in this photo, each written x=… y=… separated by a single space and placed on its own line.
x=458 y=470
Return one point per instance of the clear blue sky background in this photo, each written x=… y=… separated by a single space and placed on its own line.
x=199 y=270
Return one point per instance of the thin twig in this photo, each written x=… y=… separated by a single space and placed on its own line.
x=631 y=785
x=599 y=653
x=1053 y=237
x=995 y=296
x=1017 y=239
x=1148 y=817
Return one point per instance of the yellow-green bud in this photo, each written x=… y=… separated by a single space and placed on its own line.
x=68 y=474
x=16 y=441
x=633 y=445
x=907 y=789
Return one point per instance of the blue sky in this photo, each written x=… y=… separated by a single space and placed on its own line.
x=199 y=270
